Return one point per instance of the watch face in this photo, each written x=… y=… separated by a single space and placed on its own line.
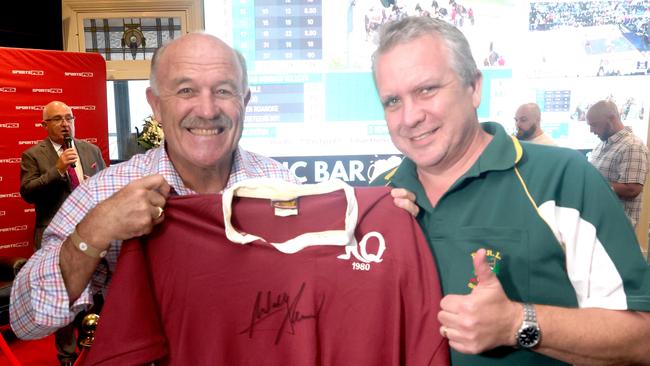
x=528 y=336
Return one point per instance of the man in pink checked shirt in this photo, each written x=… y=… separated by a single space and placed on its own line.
x=199 y=92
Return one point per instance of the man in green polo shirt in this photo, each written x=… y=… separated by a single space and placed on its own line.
x=538 y=262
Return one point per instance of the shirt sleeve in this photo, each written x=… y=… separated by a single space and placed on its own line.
x=633 y=166
x=603 y=257
x=39 y=299
x=33 y=183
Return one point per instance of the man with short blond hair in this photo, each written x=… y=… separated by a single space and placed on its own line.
x=539 y=264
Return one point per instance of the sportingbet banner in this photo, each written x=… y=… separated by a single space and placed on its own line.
x=29 y=79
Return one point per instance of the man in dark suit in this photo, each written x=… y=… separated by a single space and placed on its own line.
x=49 y=171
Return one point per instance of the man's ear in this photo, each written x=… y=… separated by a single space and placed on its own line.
x=478 y=88
x=247 y=97
x=154 y=103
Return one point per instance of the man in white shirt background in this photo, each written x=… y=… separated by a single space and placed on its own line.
x=528 y=122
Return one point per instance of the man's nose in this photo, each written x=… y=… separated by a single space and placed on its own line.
x=412 y=112
x=208 y=106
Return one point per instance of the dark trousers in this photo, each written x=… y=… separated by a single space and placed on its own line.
x=38 y=236
x=65 y=340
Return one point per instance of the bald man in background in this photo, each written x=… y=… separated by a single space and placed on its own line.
x=621 y=157
x=528 y=122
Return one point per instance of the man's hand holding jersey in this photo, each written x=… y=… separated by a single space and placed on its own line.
x=131 y=212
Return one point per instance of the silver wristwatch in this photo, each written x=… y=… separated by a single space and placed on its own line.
x=529 y=334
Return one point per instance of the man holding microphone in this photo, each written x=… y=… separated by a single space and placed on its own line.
x=49 y=172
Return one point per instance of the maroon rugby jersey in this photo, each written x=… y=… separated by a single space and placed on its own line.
x=348 y=280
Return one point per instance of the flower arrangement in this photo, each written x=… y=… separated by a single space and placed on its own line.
x=152 y=134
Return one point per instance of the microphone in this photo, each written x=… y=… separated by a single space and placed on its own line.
x=67 y=142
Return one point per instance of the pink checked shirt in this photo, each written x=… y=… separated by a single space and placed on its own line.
x=39 y=300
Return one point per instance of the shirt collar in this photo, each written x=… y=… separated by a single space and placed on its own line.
x=502 y=153
x=620 y=135
x=240 y=165
x=160 y=163
x=56 y=145
x=244 y=166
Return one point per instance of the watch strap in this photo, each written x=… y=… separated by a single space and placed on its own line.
x=84 y=247
x=529 y=322
x=529 y=313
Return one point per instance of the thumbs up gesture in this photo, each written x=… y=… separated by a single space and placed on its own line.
x=485 y=318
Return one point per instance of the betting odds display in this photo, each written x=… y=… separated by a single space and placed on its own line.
x=313 y=95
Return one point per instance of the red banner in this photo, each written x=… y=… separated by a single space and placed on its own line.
x=29 y=79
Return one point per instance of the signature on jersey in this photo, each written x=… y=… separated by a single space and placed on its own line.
x=270 y=308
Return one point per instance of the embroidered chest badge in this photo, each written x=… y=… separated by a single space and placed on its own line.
x=494 y=260
x=360 y=251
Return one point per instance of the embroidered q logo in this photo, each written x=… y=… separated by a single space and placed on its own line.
x=360 y=252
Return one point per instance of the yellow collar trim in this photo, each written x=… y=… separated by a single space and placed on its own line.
x=519 y=151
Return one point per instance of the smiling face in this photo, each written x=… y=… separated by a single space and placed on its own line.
x=430 y=112
x=200 y=102
x=54 y=121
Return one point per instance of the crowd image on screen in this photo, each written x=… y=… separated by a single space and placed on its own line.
x=616 y=33
x=452 y=12
x=633 y=15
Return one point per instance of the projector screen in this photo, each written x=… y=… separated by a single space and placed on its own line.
x=314 y=106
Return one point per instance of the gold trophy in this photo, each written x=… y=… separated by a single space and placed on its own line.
x=87 y=330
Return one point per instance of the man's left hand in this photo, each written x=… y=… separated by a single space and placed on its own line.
x=485 y=318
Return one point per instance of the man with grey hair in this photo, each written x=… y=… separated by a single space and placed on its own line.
x=528 y=120
x=538 y=262
x=199 y=94
x=621 y=157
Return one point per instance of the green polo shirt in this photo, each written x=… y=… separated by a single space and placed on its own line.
x=555 y=233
